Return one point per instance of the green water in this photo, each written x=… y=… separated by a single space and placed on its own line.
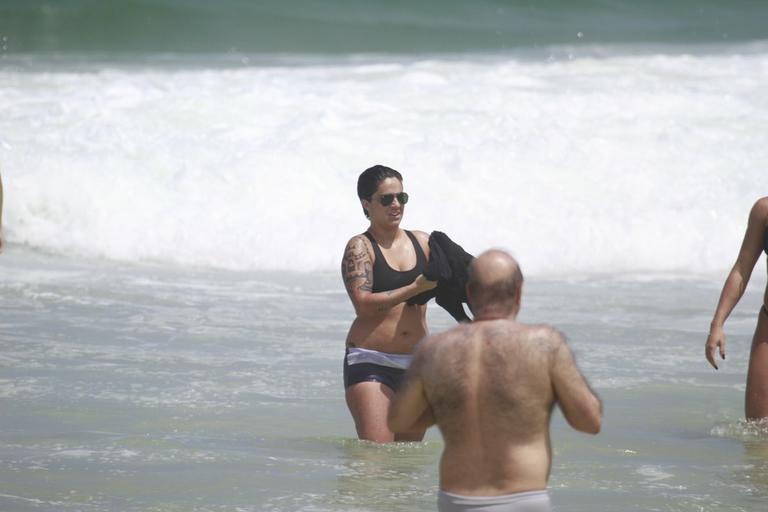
x=347 y=26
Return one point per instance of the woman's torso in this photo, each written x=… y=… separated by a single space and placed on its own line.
x=395 y=330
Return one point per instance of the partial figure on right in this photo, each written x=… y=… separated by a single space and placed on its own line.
x=755 y=242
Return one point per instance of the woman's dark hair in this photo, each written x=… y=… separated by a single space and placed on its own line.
x=369 y=181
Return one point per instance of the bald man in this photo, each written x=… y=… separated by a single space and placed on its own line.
x=491 y=386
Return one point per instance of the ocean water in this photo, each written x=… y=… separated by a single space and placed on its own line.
x=575 y=163
x=130 y=388
x=180 y=184
x=347 y=26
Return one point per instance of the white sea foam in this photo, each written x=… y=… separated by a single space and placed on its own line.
x=624 y=162
x=742 y=429
x=653 y=473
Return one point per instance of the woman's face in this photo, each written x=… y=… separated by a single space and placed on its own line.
x=390 y=215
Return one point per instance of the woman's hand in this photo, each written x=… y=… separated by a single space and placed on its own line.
x=716 y=340
x=423 y=284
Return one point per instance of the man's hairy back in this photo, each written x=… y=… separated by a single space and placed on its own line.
x=493 y=377
x=490 y=388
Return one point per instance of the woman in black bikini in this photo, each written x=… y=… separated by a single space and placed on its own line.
x=382 y=268
x=755 y=242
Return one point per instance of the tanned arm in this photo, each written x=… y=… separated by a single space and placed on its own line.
x=409 y=408
x=357 y=272
x=580 y=405
x=738 y=278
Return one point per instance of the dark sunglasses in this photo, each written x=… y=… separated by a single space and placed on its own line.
x=386 y=199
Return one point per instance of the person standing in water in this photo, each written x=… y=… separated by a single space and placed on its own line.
x=754 y=243
x=382 y=268
x=490 y=386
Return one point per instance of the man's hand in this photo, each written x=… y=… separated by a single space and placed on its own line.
x=716 y=340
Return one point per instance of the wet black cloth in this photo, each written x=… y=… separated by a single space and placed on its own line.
x=448 y=265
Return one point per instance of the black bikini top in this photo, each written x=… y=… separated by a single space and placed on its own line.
x=385 y=277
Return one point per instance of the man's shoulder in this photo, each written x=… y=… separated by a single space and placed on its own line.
x=434 y=340
x=544 y=331
x=444 y=340
x=546 y=334
x=541 y=336
x=524 y=329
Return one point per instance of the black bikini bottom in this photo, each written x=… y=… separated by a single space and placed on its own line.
x=369 y=372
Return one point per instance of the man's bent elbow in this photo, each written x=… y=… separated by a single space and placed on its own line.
x=589 y=420
x=595 y=424
x=588 y=424
x=594 y=420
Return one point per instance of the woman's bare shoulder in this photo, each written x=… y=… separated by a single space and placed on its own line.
x=421 y=236
x=423 y=239
x=357 y=239
x=358 y=244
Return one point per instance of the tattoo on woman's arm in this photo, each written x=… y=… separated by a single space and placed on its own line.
x=356 y=266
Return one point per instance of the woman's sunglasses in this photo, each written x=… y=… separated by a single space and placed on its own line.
x=386 y=199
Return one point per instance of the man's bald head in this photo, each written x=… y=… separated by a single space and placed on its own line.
x=495 y=283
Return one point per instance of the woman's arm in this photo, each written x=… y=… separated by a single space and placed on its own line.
x=357 y=272
x=738 y=278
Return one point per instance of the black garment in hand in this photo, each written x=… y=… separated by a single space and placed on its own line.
x=448 y=264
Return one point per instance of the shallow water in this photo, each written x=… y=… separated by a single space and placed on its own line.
x=159 y=388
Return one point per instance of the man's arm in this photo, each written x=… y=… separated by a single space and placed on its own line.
x=409 y=407
x=580 y=405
